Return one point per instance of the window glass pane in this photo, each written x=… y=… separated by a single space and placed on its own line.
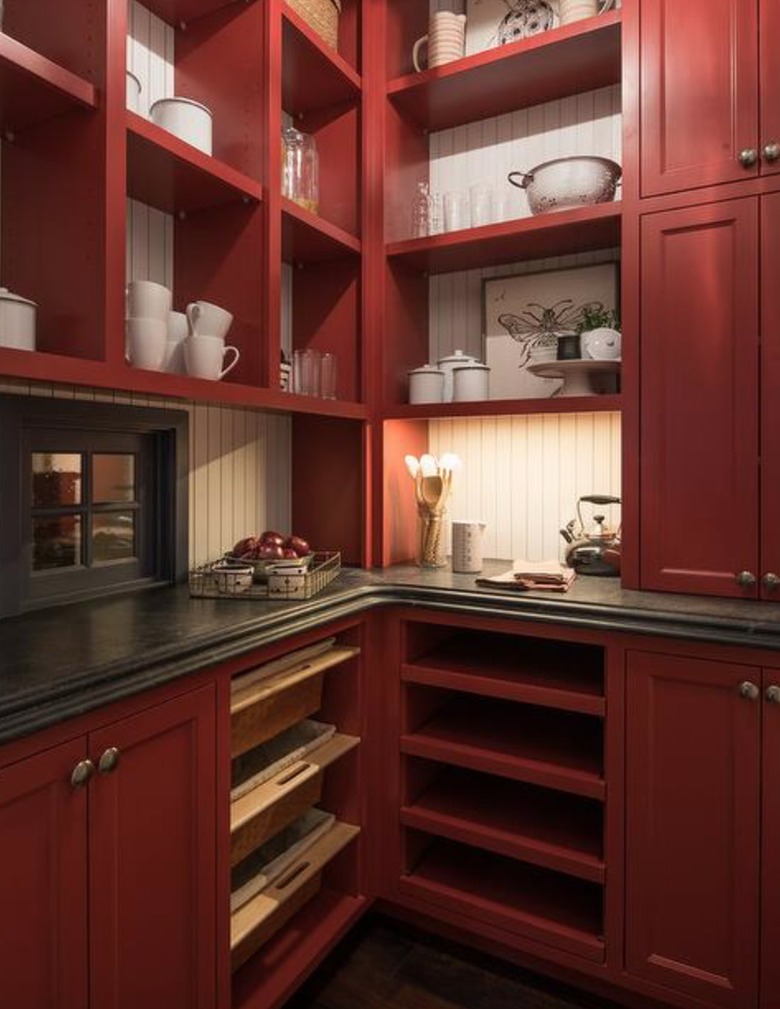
x=113 y=478
x=56 y=542
x=56 y=479
x=113 y=536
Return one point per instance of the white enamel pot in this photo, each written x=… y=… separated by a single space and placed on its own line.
x=17 y=321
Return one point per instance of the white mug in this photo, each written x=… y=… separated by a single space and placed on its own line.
x=206 y=319
x=178 y=330
x=467 y=545
x=145 y=343
x=147 y=300
x=446 y=40
x=204 y=357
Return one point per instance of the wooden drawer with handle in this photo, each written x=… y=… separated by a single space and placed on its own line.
x=263 y=705
x=255 y=922
x=271 y=806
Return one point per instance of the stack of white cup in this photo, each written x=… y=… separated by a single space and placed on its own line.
x=148 y=311
x=204 y=349
x=570 y=11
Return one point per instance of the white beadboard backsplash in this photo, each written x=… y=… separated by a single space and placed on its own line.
x=522 y=475
x=239 y=466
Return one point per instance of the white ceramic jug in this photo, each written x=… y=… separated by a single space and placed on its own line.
x=467 y=545
x=446 y=40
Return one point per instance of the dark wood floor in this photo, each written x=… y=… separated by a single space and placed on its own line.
x=383 y=964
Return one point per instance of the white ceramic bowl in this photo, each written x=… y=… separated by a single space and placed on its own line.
x=188 y=120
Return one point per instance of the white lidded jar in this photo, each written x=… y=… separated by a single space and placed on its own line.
x=426 y=385
x=448 y=365
x=470 y=382
x=17 y=321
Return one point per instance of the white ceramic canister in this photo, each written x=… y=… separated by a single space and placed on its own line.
x=188 y=120
x=17 y=321
x=426 y=385
x=133 y=99
x=448 y=365
x=467 y=545
x=470 y=382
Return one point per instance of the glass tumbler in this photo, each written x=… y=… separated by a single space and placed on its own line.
x=306 y=372
x=456 y=211
x=481 y=203
x=328 y=376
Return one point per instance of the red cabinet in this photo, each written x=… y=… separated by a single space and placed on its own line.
x=708 y=112
x=692 y=877
x=710 y=366
x=43 y=882
x=113 y=880
x=702 y=827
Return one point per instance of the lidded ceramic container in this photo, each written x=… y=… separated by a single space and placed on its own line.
x=17 y=321
x=448 y=365
x=188 y=120
x=426 y=385
x=470 y=382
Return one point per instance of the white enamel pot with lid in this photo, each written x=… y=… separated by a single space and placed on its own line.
x=17 y=321
x=187 y=119
x=448 y=365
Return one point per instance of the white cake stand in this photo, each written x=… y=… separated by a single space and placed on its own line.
x=578 y=376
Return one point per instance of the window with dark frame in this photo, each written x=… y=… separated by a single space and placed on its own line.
x=93 y=499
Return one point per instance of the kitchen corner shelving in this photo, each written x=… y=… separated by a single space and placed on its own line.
x=314 y=76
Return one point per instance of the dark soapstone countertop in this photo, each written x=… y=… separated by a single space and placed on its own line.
x=60 y=662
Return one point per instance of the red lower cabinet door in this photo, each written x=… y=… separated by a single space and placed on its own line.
x=43 y=882
x=770 y=842
x=699 y=511
x=153 y=858
x=692 y=843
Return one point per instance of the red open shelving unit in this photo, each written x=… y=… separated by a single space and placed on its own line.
x=579 y=57
x=309 y=238
x=314 y=76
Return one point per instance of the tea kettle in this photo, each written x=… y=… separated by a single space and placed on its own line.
x=596 y=552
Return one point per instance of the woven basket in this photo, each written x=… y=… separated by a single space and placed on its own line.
x=322 y=16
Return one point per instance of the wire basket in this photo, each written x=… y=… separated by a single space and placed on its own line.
x=280 y=584
x=322 y=16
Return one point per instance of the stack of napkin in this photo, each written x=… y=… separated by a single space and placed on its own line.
x=526 y=574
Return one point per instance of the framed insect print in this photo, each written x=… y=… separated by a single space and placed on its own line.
x=491 y=23
x=524 y=315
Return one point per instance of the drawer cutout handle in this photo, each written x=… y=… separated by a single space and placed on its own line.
x=293 y=874
x=293 y=773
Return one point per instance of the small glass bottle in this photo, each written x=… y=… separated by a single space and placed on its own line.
x=310 y=177
x=421 y=211
x=292 y=163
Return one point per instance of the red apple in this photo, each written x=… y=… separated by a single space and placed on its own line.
x=289 y=554
x=244 y=546
x=298 y=544
x=270 y=552
x=272 y=537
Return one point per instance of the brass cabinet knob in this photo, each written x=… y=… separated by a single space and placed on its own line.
x=81 y=773
x=749 y=691
x=108 y=760
x=746 y=579
x=771 y=581
x=748 y=157
x=773 y=694
x=771 y=151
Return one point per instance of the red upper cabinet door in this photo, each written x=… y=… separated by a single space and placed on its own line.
x=692 y=843
x=153 y=858
x=43 y=882
x=770 y=820
x=699 y=80
x=770 y=397
x=699 y=387
x=769 y=135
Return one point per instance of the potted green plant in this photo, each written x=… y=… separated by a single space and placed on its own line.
x=599 y=333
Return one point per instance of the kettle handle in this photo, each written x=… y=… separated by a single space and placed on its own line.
x=526 y=178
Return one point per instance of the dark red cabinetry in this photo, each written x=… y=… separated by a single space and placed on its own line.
x=708 y=464
x=697 y=889
x=112 y=880
x=709 y=113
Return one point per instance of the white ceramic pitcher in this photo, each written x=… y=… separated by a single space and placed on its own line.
x=446 y=40
x=467 y=545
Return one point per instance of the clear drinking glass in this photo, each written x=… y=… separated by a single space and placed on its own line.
x=481 y=204
x=306 y=372
x=456 y=211
x=328 y=376
x=421 y=211
x=435 y=215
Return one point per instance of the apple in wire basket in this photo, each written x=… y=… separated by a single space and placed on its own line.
x=271 y=545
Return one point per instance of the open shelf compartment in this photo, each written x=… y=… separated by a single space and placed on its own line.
x=314 y=76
